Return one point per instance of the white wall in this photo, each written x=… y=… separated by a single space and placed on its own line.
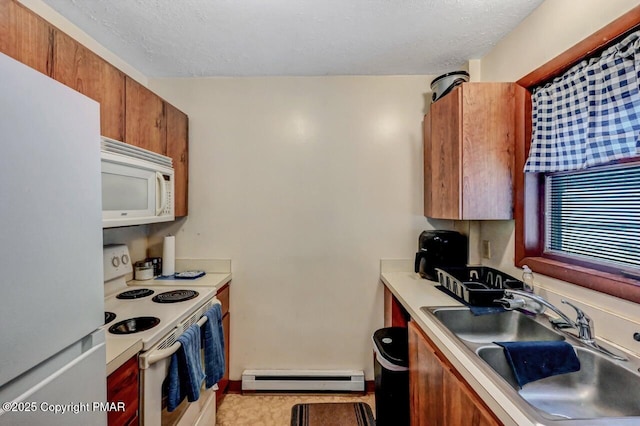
x=305 y=183
x=553 y=28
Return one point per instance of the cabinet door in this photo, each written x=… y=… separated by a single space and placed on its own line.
x=443 y=159
x=469 y=139
x=461 y=406
x=122 y=386
x=178 y=149
x=426 y=382
x=488 y=140
x=429 y=210
x=223 y=295
x=438 y=396
x=84 y=71
x=25 y=36
x=224 y=382
x=395 y=315
x=144 y=118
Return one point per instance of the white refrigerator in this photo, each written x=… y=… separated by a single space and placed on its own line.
x=52 y=351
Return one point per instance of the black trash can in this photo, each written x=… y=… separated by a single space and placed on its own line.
x=391 y=369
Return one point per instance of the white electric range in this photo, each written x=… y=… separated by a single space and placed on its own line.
x=163 y=306
x=156 y=315
x=133 y=316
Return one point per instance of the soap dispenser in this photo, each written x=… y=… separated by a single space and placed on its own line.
x=527 y=278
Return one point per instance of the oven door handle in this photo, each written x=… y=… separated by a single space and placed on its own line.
x=159 y=355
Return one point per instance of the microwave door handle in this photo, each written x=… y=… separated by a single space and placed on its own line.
x=163 y=194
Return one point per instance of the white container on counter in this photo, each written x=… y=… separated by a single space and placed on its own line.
x=143 y=270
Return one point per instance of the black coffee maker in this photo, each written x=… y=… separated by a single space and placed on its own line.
x=440 y=248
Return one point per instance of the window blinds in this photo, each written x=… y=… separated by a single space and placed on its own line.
x=591 y=114
x=596 y=214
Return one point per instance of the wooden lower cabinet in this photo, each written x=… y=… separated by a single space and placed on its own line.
x=122 y=386
x=439 y=397
x=395 y=315
x=223 y=384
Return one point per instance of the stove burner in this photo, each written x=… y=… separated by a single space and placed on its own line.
x=108 y=317
x=175 y=296
x=134 y=325
x=135 y=294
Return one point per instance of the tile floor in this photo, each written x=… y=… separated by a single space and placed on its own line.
x=272 y=409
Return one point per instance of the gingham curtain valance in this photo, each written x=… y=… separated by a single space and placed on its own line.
x=591 y=114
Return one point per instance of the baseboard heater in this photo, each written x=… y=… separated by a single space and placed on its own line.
x=303 y=380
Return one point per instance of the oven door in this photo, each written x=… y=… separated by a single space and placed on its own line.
x=154 y=367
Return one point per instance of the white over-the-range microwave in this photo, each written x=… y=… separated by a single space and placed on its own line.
x=137 y=185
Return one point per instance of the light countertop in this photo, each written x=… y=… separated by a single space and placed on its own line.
x=120 y=351
x=211 y=279
x=414 y=292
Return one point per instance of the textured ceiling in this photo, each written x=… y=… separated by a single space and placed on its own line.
x=189 y=38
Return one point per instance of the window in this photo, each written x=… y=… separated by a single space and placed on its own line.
x=581 y=226
x=594 y=217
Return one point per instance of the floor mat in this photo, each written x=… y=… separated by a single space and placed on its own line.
x=332 y=414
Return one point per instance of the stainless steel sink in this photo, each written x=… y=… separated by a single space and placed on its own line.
x=605 y=391
x=508 y=326
x=602 y=387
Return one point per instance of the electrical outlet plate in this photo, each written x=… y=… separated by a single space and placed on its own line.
x=486 y=249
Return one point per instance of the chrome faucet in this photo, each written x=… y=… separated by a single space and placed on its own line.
x=583 y=324
x=534 y=304
x=537 y=305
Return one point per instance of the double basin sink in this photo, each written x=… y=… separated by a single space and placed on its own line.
x=604 y=391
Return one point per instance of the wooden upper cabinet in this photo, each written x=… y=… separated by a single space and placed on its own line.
x=84 y=71
x=469 y=143
x=178 y=149
x=25 y=36
x=129 y=112
x=144 y=118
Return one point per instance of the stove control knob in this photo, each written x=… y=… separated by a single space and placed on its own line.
x=115 y=261
x=125 y=259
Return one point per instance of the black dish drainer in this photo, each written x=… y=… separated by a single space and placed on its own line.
x=477 y=285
